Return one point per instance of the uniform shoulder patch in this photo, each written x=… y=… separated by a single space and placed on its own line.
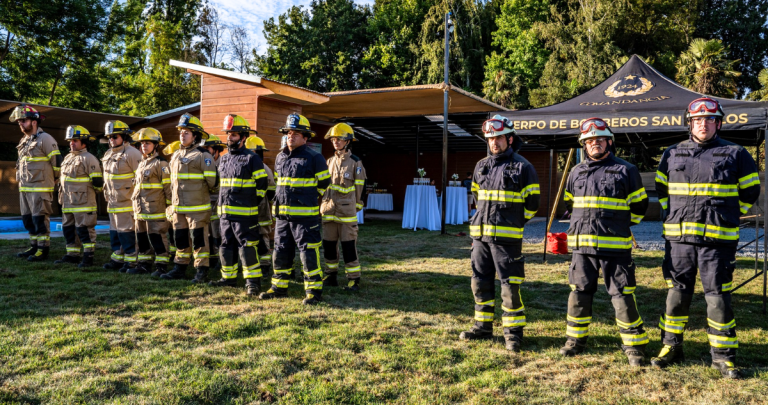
x=166 y=170
x=358 y=170
x=208 y=162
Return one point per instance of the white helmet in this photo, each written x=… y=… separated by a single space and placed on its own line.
x=498 y=126
x=594 y=128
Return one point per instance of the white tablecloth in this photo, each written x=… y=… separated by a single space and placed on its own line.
x=421 y=209
x=456 y=206
x=360 y=216
x=381 y=202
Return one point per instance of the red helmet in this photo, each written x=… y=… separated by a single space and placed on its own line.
x=24 y=111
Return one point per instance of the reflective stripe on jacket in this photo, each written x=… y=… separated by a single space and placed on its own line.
x=343 y=198
x=193 y=176
x=605 y=198
x=152 y=192
x=242 y=184
x=80 y=179
x=120 y=166
x=507 y=192
x=705 y=188
x=38 y=165
x=301 y=176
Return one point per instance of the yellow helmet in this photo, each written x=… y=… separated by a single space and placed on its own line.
x=342 y=131
x=192 y=123
x=171 y=148
x=78 y=132
x=148 y=134
x=215 y=143
x=24 y=111
x=117 y=127
x=299 y=123
x=255 y=143
x=236 y=123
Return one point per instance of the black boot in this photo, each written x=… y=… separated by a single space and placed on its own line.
x=141 y=268
x=330 y=280
x=271 y=294
x=312 y=299
x=635 y=355
x=87 y=260
x=29 y=252
x=224 y=282
x=573 y=347
x=68 y=259
x=160 y=269
x=727 y=369
x=200 y=275
x=668 y=356
x=126 y=267
x=40 y=255
x=352 y=285
x=252 y=286
x=476 y=333
x=512 y=343
x=214 y=263
x=112 y=265
x=177 y=273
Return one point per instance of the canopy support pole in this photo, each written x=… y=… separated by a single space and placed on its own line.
x=765 y=229
x=557 y=198
x=447 y=88
x=549 y=197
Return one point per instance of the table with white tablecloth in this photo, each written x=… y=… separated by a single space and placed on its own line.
x=360 y=216
x=420 y=209
x=380 y=202
x=456 y=212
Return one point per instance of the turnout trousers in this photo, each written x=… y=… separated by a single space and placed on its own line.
x=304 y=234
x=264 y=246
x=506 y=261
x=79 y=231
x=122 y=236
x=333 y=232
x=240 y=239
x=194 y=225
x=36 y=211
x=152 y=238
x=716 y=264
x=619 y=277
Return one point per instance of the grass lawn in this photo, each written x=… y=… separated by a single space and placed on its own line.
x=101 y=337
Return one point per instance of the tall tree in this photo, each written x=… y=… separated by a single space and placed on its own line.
x=760 y=94
x=704 y=68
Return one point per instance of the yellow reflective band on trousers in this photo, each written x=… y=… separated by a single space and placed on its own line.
x=661 y=178
x=78 y=209
x=334 y=218
x=489 y=303
x=704 y=189
x=725 y=287
x=75 y=179
x=636 y=218
x=628 y=290
x=634 y=340
x=577 y=331
x=749 y=180
x=483 y=316
x=340 y=189
x=694 y=228
x=723 y=342
x=600 y=202
x=313 y=285
x=235 y=210
x=110 y=176
x=299 y=211
x=744 y=207
x=721 y=326
x=496 y=231
x=513 y=321
x=36 y=189
x=528 y=214
x=296 y=182
x=673 y=324
x=580 y=320
x=603 y=242
x=119 y=209
x=625 y=325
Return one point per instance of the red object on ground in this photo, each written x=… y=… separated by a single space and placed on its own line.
x=557 y=243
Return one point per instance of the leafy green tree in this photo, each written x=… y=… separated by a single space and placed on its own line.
x=760 y=94
x=704 y=68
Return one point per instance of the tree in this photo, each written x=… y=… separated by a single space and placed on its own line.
x=705 y=69
x=212 y=32
x=240 y=49
x=760 y=94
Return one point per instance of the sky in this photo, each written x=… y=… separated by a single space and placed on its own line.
x=252 y=13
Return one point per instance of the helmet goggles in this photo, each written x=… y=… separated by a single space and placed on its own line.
x=494 y=125
x=596 y=123
x=703 y=105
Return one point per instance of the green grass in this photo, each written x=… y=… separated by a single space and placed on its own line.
x=72 y=337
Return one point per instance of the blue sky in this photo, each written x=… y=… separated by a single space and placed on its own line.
x=251 y=14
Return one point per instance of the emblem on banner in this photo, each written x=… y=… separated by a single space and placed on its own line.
x=631 y=85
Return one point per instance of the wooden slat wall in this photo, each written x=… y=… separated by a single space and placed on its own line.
x=271 y=115
x=222 y=96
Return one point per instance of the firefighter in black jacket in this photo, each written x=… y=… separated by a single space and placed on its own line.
x=302 y=176
x=242 y=185
x=606 y=196
x=507 y=192
x=704 y=185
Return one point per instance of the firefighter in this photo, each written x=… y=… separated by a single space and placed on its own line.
x=339 y=208
x=151 y=198
x=301 y=176
x=704 y=185
x=215 y=147
x=243 y=184
x=37 y=170
x=80 y=180
x=507 y=192
x=605 y=196
x=120 y=163
x=257 y=145
x=168 y=151
x=193 y=176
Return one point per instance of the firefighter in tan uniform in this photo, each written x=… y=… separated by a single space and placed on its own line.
x=120 y=163
x=37 y=170
x=168 y=151
x=257 y=145
x=151 y=197
x=80 y=180
x=341 y=202
x=193 y=176
x=215 y=147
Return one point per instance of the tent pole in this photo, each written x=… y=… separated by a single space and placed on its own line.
x=549 y=197
x=447 y=88
x=765 y=238
x=418 y=132
x=559 y=193
x=757 y=207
